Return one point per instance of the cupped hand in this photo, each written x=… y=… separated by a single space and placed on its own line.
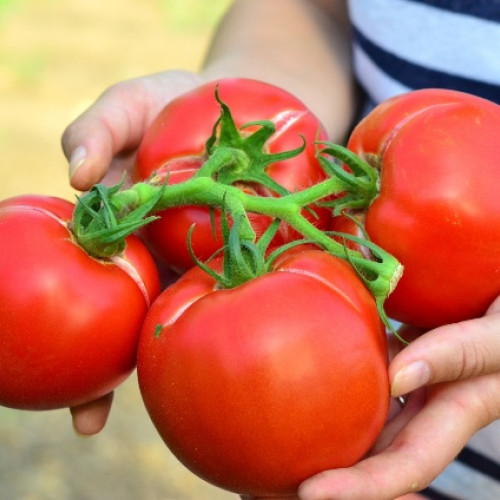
x=100 y=146
x=452 y=376
x=101 y=143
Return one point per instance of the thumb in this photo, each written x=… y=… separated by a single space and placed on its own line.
x=451 y=352
x=114 y=125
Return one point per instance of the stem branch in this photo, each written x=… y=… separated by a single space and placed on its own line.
x=379 y=274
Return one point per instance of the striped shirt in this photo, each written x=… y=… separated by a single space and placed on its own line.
x=407 y=44
x=400 y=45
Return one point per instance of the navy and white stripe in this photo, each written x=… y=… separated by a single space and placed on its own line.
x=401 y=45
x=471 y=476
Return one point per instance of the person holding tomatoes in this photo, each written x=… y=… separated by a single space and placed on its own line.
x=341 y=58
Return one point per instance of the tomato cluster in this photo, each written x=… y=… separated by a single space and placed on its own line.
x=258 y=385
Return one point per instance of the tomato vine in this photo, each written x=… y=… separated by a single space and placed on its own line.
x=104 y=216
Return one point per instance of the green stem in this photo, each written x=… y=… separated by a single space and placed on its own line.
x=195 y=191
x=105 y=216
x=380 y=275
x=223 y=157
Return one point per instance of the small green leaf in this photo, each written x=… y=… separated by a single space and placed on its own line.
x=100 y=228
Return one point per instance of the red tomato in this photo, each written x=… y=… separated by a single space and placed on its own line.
x=438 y=210
x=68 y=323
x=258 y=387
x=174 y=146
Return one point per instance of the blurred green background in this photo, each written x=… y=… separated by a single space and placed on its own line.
x=56 y=57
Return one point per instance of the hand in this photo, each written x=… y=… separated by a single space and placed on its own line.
x=453 y=376
x=102 y=142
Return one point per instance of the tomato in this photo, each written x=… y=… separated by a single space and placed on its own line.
x=438 y=208
x=174 y=148
x=258 y=387
x=69 y=323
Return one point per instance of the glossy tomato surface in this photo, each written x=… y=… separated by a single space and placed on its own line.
x=69 y=323
x=438 y=209
x=259 y=387
x=174 y=148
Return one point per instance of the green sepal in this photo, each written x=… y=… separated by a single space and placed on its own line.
x=367 y=271
x=218 y=277
x=284 y=248
x=360 y=181
x=253 y=160
x=158 y=330
x=100 y=228
x=243 y=259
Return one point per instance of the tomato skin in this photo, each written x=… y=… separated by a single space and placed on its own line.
x=174 y=145
x=438 y=210
x=258 y=387
x=68 y=323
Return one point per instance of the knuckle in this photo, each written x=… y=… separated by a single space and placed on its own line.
x=473 y=360
x=116 y=90
x=121 y=90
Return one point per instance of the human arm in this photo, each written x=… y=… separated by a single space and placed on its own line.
x=303 y=46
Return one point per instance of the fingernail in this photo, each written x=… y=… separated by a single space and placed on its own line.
x=410 y=377
x=77 y=159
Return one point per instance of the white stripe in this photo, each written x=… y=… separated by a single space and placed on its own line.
x=435 y=38
x=487 y=441
x=463 y=482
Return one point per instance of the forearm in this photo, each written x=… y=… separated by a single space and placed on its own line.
x=302 y=46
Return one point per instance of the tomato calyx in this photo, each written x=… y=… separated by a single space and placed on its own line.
x=240 y=155
x=243 y=259
x=101 y=229
x=361 y=179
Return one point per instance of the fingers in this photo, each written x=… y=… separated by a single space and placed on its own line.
x=414 y=403
x=90 y=418
x=420 y=451
x=452 y=352
x=114 y=125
